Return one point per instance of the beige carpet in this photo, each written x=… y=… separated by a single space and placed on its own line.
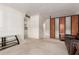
x=37 y=47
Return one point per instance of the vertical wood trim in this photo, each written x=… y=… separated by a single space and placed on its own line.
x=50 y=26
x=64 y=26
x=59 y=28
x=54 y=27
x=78 y=23
x=71 y=25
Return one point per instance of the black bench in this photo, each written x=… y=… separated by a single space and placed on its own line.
x=5 y=43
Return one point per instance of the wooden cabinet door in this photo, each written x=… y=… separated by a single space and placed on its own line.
x=62 y=27
x=52 y=28
x=74 y=25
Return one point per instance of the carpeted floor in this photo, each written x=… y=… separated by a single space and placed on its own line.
x=37 y=47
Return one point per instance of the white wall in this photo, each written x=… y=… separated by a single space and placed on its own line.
x=12 y=22
x=46 y=28
x=41 y=29
x=1 y=20
x=33 y=27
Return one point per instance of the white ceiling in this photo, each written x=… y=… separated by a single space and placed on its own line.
x=45 y=9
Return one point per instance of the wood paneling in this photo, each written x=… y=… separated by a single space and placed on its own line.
x=74 y=25
x=62 y=27
x=67 y=25
x=52 y=27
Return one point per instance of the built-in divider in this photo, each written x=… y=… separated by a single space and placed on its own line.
x=59 y=26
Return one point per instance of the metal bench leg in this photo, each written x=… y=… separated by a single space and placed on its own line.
x=3 y=41
x=17 y=39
